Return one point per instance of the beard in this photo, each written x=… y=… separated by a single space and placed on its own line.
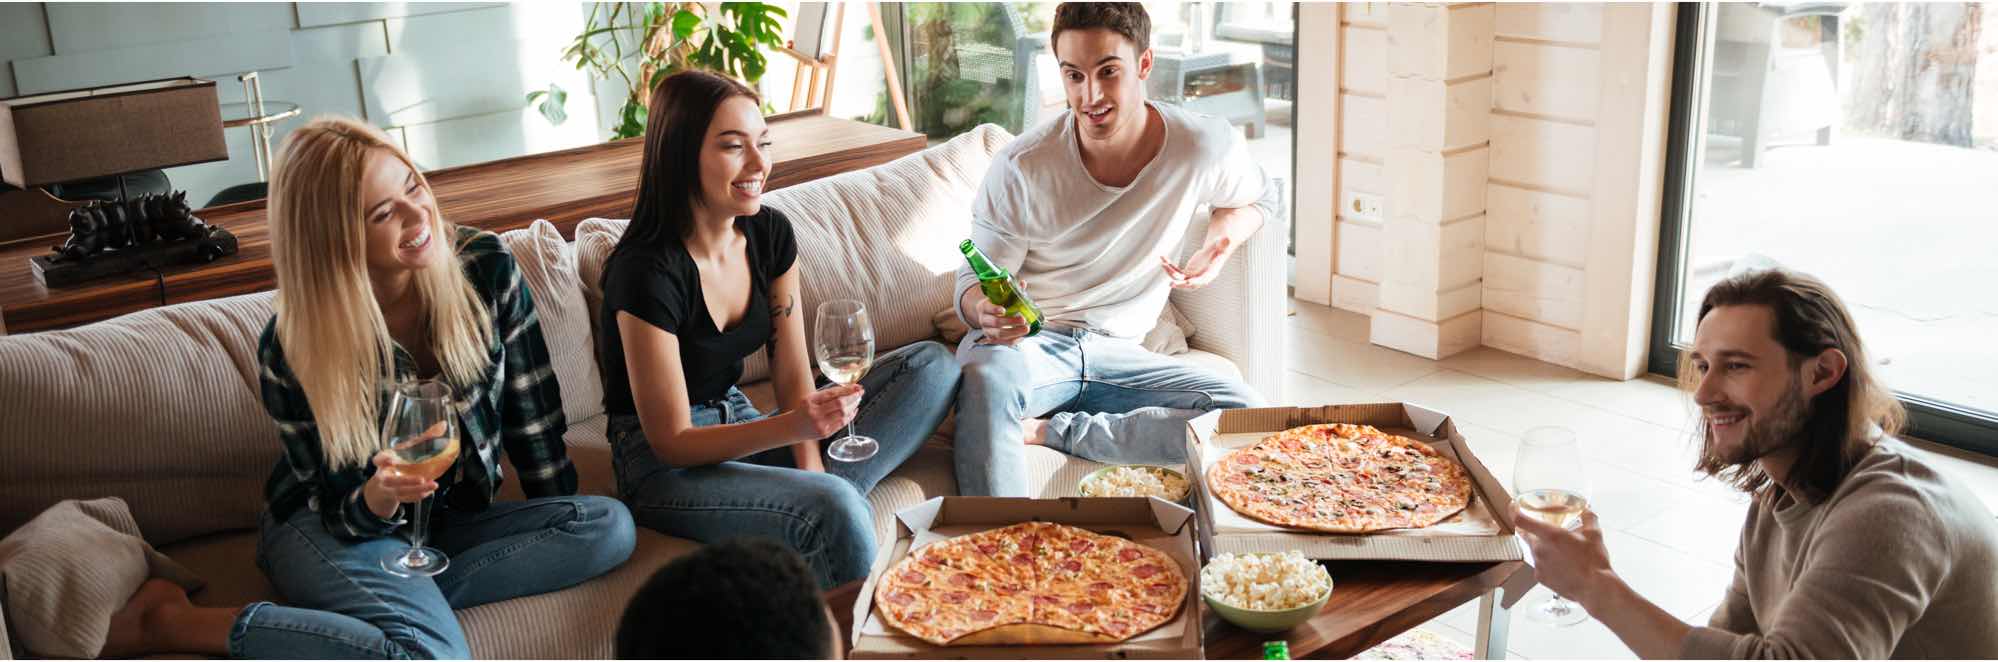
x=1767 y=434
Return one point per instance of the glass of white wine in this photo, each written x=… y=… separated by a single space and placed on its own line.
x=1552 y=486
x=844 y=340
x=421 y=433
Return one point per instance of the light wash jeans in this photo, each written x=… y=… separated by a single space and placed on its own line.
x=824 y=516
x=1106 y=399
x=343 y=605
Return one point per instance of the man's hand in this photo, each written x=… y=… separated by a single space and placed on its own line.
x=1572 y=563
x=1203 y=267
x=999 y=328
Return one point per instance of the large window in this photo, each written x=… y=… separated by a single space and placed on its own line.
x=970 y=63
x=1859 y=143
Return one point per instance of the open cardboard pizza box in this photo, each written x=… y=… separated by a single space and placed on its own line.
x=1482 y=532
x=1164 y=526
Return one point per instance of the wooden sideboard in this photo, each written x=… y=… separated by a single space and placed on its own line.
x=564 y=187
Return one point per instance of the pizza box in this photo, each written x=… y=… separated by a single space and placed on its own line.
x=1483 y=532
x=1161 y=525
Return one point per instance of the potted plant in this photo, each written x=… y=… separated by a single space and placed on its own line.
x=643 y=43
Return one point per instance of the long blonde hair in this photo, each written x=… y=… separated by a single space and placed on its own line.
x=335 y=338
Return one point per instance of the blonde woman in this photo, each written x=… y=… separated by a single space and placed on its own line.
x=375 y=287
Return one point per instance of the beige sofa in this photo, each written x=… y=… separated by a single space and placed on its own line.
x=161 y=407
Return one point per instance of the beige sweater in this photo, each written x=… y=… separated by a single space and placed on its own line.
x=1897 y=563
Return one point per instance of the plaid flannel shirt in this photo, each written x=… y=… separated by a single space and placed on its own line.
x=518 y=405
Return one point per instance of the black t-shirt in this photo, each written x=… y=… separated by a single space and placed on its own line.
x=661 y=285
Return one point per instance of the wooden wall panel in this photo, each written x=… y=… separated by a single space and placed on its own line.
x=1549 y=227
x=1544 y=79
x=313 y=14
x=207 y=57
x=1363 y=127
x=1531 y=339
x=23 y=34
x=1360 y=247
x=1533 y=290
x=477 y=139
x=441 y=67
x=81 y=27
x=1363 y=62
x=1574 y=22
x=1551 y=156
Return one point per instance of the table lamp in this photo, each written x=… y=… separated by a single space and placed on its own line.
x=72 y=135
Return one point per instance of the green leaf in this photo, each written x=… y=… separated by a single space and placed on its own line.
x=553 y=107
x=684 y=24
x=531 y=96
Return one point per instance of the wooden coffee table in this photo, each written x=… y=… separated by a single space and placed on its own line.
x=1372 y=601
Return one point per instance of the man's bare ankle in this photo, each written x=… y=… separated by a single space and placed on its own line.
x=1036 y=430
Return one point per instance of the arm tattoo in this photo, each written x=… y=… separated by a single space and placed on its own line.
x=784 y=309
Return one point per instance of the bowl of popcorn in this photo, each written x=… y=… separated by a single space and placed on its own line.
x=1135 y=480
x=1265 y=592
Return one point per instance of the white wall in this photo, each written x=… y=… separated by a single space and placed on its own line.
x=446 y=80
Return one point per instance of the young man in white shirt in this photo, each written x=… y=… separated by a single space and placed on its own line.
x=1087 y=211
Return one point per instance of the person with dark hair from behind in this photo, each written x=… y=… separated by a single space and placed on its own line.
x=1855 y=545
x=742 y=599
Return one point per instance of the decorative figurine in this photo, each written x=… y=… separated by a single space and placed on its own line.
x=149 y=232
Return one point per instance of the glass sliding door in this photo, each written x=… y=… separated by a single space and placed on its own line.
x=1859 y=143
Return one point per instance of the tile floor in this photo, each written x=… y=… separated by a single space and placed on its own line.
x=1670 y=534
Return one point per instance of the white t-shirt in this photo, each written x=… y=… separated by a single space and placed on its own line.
x=1088 y=253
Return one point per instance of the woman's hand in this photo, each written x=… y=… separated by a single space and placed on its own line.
x=390 y=487
x=825 y=411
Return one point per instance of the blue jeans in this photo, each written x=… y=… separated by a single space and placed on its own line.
x=824 y=516
x=345 y=606
x=1106 y=399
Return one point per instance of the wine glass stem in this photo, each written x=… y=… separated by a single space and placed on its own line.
x=419 y=529
x=849 y=429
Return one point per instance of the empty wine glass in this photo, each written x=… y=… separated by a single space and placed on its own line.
x=844 y=341
x=422 y=438
x=1553 y=487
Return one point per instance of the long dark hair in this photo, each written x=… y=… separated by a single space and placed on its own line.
x=669 y=179
x=1839 y=426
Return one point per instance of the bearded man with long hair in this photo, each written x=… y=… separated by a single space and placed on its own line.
x=1855 y=546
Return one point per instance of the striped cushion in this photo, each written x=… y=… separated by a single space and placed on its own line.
x=548 y=264
x=888 y=235
x=158 y=407
x=73 y=566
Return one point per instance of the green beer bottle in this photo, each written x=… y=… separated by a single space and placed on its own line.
x=1276 y=650
x=1000 y=288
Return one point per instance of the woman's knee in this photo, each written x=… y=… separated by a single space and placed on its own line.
x=417 y=641
x=839 y=539
x=607 y=531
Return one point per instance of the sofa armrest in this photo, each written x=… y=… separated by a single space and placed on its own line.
x=1240 y=315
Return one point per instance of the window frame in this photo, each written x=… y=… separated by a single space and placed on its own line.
x=1928 y=419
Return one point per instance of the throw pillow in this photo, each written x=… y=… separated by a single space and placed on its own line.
x=548 y=266
x=73 y=566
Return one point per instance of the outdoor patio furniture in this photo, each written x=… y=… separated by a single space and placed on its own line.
x=1771 y=80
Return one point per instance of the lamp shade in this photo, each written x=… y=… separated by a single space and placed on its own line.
x=66 y=136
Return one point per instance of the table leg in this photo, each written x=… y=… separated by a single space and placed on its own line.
x=1493 y=620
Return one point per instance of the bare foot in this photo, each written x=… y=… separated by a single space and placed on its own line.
x=141 y=626
x=1036 y=429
